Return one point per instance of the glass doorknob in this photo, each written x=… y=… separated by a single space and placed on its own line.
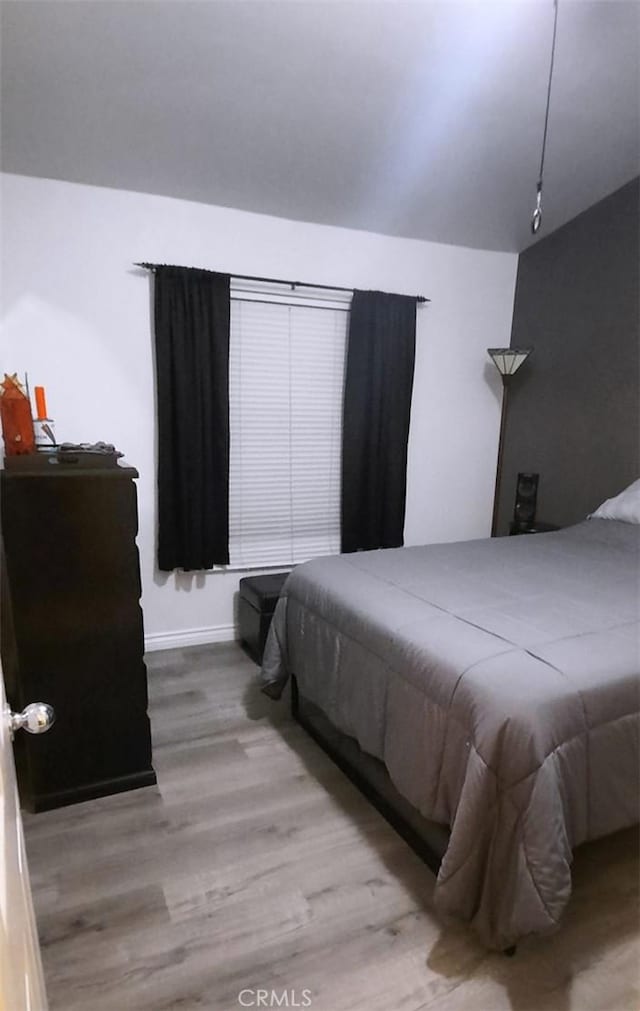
x=35 y=718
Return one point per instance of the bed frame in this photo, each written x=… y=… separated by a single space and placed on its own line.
x=427 y=839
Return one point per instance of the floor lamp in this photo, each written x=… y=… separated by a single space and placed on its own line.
x=507 y=361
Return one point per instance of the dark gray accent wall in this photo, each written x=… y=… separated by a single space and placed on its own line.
x=574 y=409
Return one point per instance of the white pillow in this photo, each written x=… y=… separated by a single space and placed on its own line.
x=625 y=506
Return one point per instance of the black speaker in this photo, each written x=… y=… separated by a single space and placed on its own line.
x=524 y=513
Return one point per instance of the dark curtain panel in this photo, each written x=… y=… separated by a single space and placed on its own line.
x=192 y=370
x=377 y=406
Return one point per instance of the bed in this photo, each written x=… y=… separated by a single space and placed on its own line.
x=497 y=683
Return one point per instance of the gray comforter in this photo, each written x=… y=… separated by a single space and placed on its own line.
x=498 y=681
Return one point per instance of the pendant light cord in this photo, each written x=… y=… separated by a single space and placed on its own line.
x=546 y=115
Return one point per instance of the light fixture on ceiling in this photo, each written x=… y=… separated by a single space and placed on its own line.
x=507 y=361
x=536 y=219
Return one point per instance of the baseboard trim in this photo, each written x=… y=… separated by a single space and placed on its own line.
x=189 y=637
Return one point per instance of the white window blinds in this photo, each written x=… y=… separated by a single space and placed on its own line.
x=286 y=375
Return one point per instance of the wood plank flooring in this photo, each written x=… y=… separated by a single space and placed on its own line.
x=255 y=864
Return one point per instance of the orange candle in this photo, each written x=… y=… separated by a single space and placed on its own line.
x=41 y=403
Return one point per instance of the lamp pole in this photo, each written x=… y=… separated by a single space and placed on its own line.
x=503 y=419
x=507 y=361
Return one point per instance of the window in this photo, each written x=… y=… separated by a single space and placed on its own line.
x=286 y=376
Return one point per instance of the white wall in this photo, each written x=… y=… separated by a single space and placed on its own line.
x=76 y=315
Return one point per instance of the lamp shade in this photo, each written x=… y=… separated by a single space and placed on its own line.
x=508 y=360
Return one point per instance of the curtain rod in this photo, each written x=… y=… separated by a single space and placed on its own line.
x=276 y=280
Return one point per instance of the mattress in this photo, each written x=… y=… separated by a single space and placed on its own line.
x=498 y=681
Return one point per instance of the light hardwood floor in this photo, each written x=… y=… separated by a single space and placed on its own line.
x=255 y=864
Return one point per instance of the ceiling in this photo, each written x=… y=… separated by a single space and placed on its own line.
x=415 y=119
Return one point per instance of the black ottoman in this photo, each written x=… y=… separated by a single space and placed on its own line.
x=258 y=599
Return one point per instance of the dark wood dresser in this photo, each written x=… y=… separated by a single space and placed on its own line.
x=72 y=631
